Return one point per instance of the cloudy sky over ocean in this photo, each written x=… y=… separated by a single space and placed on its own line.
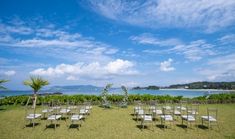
x=124 y=42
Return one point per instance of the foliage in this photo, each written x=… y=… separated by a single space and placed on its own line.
x=105 y=95
x=36 y=83
x=1 y=82
x=214 y=98
x=125 y=92
x=151 y=87
x=206 y=85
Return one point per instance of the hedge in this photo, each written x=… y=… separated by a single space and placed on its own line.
x=145 y=98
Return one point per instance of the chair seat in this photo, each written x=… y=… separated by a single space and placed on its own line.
x=54 y=117
x=83 y=111
x=147 y=118
x=76 y=117
x=47 y=110
x=33 y=116
x=159 y=112
x=167 y=107
x=182 y=108
x=140 y=112
x=209 y=119
x=56 y=107
x=188 y=118
x=193 y=112
x=88 y=107
x=65 y=110
x=167 y=117
x=177 y=112
x=72 y=107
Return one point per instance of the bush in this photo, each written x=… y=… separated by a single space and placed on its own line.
x=214 y=98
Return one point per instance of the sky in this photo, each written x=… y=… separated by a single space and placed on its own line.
x=124 y=42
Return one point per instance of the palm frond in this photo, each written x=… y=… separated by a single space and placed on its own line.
x=1 y=82
x=36 y=83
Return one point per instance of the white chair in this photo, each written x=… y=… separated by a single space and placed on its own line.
x=32 y=117
x=64 y=112
x=84 y=112
x=195 y=109
x=211 y=117
x=157 y=111
x=189 y=118
x=146 y=119
x=167 y=117
x=30 y=113
x=54 y=117
x=46 y=109
x=76 y=117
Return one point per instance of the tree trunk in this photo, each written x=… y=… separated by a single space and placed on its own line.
x=34 y=99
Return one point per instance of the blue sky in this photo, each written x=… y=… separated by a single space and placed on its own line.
x=142 y=42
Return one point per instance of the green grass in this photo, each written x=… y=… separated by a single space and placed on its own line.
x=113 y=123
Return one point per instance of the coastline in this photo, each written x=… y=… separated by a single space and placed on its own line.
x=182 y=89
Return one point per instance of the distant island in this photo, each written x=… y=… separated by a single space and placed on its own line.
x=194 y=85
x=152 y=87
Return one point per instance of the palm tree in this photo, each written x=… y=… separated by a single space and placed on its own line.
x=36 y=83
x=1 y=82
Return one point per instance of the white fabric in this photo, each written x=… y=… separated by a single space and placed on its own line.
x=181 y=108
x=188 y=118
x=193 y=112
x=56 y=107
x=76 y=117
x=88 y=107
x=83 y=111
x=72 y=107
x=167 y=117
x=47 y=110
x=141 y=112
x=54 y=117
x=177 y=112
x=147 y=118
x=33 y=116
x=65 y=110
x=159 y=112
x=209 y=119
x=167 y=107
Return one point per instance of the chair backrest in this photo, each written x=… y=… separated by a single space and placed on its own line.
x=212 y=112
x=166 y=111
x=195 y=108
x=189 y=110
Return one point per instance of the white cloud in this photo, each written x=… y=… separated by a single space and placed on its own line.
x=221 y=68
x=44 y=40
x=71 y=78
x=9 y=73
x=151 y=40
x=227 y=39
x=195 y=50
x=166 y=65
x=92 y=70
x=210 y=15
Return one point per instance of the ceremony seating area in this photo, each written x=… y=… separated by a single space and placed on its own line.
x=117 y=122
x=168 y=114
x=55 y=111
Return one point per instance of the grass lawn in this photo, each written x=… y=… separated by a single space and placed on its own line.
x=113 y=123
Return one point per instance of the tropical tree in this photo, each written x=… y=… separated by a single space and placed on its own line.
x=1 y=82
x=36 y=83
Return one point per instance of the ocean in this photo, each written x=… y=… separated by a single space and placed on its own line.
x=172 y=92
